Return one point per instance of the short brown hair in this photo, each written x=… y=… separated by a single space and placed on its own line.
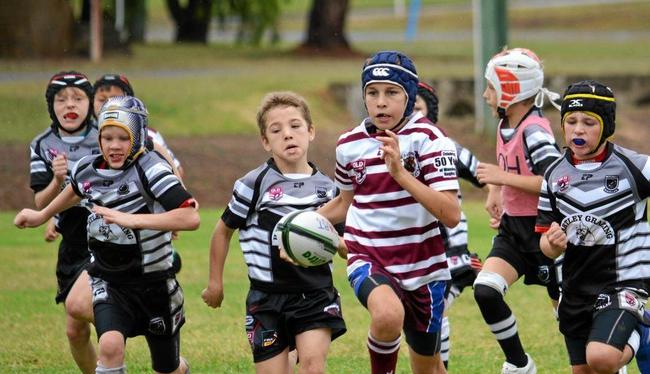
x=282 y=98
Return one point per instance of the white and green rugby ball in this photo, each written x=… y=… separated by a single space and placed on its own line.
x=307 y=237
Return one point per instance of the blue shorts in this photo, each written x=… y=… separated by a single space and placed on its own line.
x=423 y=307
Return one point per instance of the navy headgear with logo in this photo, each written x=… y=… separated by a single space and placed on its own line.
x=395 y=68
x=595 y=99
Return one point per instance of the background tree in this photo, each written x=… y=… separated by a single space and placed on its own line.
x=192 y=21
x=36 y=28
x=326 y=27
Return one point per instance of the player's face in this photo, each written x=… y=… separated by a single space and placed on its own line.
x=386 y=104
x=115 y=144
x=490 y=96
x=420 y=106
x=287 y=137
x=581 y=134
x=71 y=108
x=103 y=93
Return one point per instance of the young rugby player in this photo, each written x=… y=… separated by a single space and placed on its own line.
x=287 y=306
x=110 y=85
x=71 y=136
x=592 y=209
x=398 y=180
x=525 y=148
x=136 y=201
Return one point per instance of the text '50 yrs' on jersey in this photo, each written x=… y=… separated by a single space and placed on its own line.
x=43 y=149
x=526 y=150
x=466 y=165
x=260 y=199
x=603 y=212
x=385 y=224
x=120 y=254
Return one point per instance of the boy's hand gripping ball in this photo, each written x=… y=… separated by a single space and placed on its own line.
x=307 y=237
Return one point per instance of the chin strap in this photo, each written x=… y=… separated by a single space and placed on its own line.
x=398 y=124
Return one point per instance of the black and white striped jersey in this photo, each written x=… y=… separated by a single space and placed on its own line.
x=120 y=254
x=602 y=208
x=260 y=199
x=43 y=149
x=466 y=164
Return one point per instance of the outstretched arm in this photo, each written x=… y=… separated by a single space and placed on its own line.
x=213 y=294
x=34 y=218
x=182 y=218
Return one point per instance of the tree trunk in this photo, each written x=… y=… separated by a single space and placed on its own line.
x=36 y=28
x=193 y=21
x=326 y=26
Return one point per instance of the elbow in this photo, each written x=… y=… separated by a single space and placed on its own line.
x=452 y=219
x=195 y=222
x=192 y=221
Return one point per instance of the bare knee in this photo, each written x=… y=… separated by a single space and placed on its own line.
x=111 y=349
x=603 y=359
x=312 y=365
x=77 y=309
x=388 y=320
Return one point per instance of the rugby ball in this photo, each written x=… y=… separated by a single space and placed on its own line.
x=307 y=237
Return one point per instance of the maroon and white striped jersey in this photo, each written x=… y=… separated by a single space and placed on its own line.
x=385 y=224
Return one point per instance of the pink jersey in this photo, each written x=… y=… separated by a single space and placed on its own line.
x=512 y=157
x=385 y=224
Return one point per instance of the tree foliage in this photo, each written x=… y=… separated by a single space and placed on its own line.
x=255 y=19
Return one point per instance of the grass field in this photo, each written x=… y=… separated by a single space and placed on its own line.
x=214 y=341
x=207 y=91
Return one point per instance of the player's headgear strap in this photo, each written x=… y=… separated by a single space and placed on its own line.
x=130 y=114
x=516 y=75
x=430 y=98
x=117 y=80
x=63 y=80
x=595 y=99
x=395 y=68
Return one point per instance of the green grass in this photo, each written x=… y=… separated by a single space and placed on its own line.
x=214 y=341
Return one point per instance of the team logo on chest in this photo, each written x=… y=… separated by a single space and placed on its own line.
x=359 y=170
x=85 y=187
x=321 y=192
x=588 y=230
x=106 y=231
x=563 y=183
x=411 y=163
x=52 y=153
x=275 y=193
x=123 y=189
x=611 y=183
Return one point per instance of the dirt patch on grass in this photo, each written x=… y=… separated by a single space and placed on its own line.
x=212 y=164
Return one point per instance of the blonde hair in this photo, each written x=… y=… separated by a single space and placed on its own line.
x=282 y=98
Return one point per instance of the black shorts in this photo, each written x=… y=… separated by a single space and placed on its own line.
x=273 y=320
x=154 y=310
x=518 y=245
x=72 y=259
x=612 y=327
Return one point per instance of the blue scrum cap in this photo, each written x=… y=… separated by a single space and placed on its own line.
x=395 y=68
